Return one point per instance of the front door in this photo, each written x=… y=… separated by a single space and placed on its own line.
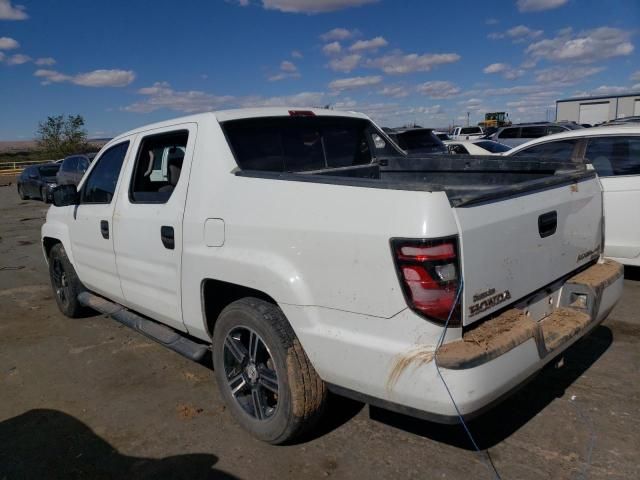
x=92 y=225
x=148 y=222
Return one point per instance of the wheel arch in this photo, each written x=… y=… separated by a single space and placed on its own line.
x=215 y=295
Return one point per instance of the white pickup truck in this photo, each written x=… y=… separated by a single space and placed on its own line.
x=467 y=133
x=310 y=255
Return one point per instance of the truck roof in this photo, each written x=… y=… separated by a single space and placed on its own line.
x=240 y=113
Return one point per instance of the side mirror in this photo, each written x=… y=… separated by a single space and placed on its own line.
x=65 y=195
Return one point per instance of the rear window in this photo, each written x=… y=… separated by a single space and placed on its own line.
x=493 y=147
x=295 y=144
x=423 y=141
x=470 y=130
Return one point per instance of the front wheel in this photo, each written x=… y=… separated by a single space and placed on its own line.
x=65 y=283
x=264 y=374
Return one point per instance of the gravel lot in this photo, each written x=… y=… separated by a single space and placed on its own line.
x=91 y=399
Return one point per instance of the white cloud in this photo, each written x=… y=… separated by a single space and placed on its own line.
x=373 y=44
x=495 y=68
x=161 y=96
x=96 y=78
x=9 y=12
x=18 y=59
x=287 y=66
x=355 y=82
x=45 y=61
x=332 y=48
x=517 y=34
x=296 y=54
x=338 y=34
x=609 y=90
x=438 y=89
x=312 y=6
x=105 y=78
x=7 y=43
x=491 y=21
x=395 y=91
x=636 y=76
x=302 y=99
x=400 y=63
x=517 y=90
x=586 y=47
x=287 y=70
x=539 y=5
x=505 y=70
x=345 y=64
x=569 y=75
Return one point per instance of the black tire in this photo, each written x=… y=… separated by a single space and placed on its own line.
x=65 y=283
x=301 y=394
x=21 y=193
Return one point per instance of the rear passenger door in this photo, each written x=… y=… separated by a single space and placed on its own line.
x=148 y=222
x=92 y=223
x=617 y=161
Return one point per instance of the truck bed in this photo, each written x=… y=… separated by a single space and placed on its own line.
x=466 y=180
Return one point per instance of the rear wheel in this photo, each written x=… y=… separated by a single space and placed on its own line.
x=264 y=374
x=65 y=283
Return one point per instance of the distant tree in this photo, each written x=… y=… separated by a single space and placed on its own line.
x=62 y=136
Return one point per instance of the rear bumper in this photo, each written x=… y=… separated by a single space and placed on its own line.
x=493 y=359
x=390 y=361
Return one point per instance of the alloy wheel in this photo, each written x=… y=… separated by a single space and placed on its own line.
x=250 y=372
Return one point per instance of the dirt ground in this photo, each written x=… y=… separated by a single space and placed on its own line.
x=91 y=399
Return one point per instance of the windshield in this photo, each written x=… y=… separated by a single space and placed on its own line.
x=294 y=144
x=493 y=147
x=423 y=141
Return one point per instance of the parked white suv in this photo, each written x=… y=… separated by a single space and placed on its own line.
x=614 y=152
x=309 y=254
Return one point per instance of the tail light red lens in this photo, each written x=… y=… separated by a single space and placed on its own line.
x=429 y=274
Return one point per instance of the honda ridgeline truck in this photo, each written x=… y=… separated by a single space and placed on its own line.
x=310 y=255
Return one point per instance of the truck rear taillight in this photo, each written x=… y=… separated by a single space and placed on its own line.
x=429 y=275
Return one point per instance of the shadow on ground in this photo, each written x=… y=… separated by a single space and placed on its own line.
x=501 y=422
x=51 y=444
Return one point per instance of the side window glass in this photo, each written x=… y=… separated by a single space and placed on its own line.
x=560 y=150
x=510 y=133
x=101 y=184
x=614 y=155
x=83 y=164
x=533 y=132
x=554 y=129
x=158 y=167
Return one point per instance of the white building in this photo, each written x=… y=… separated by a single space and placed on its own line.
x=594 y=110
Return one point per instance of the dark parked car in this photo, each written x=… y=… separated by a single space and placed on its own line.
x=417 y=140
x=73 y=169
x=518 y=134
x=38 y=181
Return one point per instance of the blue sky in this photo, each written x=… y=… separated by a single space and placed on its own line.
x=122 y=64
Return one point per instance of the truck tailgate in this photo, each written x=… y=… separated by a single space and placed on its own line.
x=515 y=246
